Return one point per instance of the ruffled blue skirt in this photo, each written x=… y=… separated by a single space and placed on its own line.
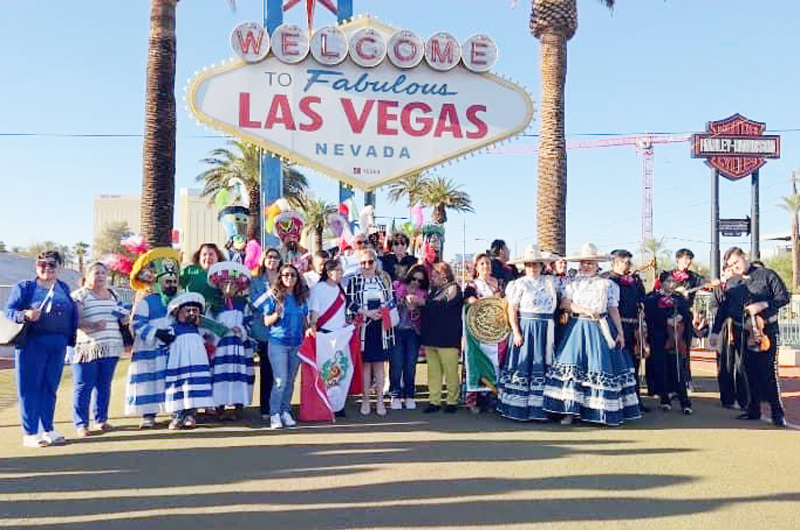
x=590 y=380
x=522 y=376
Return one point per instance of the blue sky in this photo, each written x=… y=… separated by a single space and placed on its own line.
x=77 y=68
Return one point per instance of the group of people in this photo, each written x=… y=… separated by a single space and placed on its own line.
x=574 y=350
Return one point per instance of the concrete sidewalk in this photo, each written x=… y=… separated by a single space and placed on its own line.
x=408 y=470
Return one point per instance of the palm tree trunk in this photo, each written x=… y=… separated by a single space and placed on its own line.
x=318 y=239
x=552 y=171
x=795 y=253
x=254 y=223
x=158 y=181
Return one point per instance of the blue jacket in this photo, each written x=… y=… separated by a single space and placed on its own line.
x=20 y=299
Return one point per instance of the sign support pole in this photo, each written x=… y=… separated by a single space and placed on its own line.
x=271 y=167
x=714 y=223
x=755 y=235
x=345 y=12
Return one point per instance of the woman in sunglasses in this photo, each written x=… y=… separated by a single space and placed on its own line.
x=285 y=312
x=370 y=304
x=263 y=277
x=410 y=294
x=52 y=318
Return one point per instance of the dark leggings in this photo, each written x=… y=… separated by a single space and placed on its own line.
x=265 y=375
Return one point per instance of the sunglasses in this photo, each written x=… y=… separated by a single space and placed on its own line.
x=368 y=262
x=288 y=275
x=47 y=264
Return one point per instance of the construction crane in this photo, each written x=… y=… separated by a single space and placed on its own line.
x=643 y=143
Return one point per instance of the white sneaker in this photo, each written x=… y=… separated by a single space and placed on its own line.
x=34 y=440
x=411 y=403
x=275 y=422
x=396 y=404
x=288 y=421
x=54 y=438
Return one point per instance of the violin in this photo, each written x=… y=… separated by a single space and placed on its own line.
x=757 y=338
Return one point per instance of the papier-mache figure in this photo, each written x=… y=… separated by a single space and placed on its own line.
x=232 y=362
x=154 y=276
x=288 y=228
x=188 y=380
x=234 y=214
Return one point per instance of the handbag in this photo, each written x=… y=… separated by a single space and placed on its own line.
x=124 y=329
x=11 y=332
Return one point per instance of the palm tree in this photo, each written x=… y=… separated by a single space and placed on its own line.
x=441 y=194
x=243 y=161
x=411 y=186
x=158 y=180
x=553 y=22
x=79 y=250
x=655 y=250
x=792 y=205
x=316 y=213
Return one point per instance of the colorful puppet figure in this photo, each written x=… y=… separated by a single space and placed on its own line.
x=288 y=228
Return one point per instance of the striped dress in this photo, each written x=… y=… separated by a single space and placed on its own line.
x=232 y=365
x=93 y=345
x=188 y=381
x=144 y=393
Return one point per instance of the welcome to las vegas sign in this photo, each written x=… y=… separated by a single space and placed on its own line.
x=361 y=102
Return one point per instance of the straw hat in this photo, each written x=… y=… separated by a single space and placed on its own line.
x=165 y=258
x=589 y=252
x=531 y=255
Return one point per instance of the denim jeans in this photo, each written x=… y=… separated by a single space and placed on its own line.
x=92 y=378
x=285 y=362
x=403 y=364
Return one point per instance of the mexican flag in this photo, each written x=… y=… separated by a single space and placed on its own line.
x=481 y=362
x=328 y=364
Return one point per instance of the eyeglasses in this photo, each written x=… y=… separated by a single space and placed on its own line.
x=368 y=262
x=47 y=264
x=288 y=275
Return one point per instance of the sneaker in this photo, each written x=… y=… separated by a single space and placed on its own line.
x=147 y=423
x=474 y=410
x=287 y=419
x=82 y=432
x=567 y=420
x=275 y=422
x=189 y=423
x=175 y=424
x=54 y=438
x=380 y=408
x=411 y=403
x=687 y=411
x=779 y=421
x=365 y=408
x=396 y=404
x=666 y=407
x=34 y=440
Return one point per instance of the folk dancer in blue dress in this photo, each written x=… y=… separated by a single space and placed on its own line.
x=631 y=306
x=188 y=380
x=155 y=278
x=557 y=268
x=532 y=301
x=232 y=363
x=592 y=378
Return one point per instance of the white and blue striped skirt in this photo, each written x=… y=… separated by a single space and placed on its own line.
x=144 y=393
x=188 y=381
x=522 y=376
x=232 y=372
x=589 y=380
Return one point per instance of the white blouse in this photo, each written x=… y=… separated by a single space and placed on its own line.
x=533 y=295
x=593 y=292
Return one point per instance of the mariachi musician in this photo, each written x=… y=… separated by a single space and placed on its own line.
x=752 y=299
x=631 y=300
x=681 y=283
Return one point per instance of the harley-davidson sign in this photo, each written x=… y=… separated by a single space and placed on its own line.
x=361 y=102
x=736 y=146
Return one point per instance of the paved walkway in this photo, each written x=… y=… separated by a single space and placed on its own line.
x=408 y=470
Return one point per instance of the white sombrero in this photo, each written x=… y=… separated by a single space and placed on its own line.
x=186 y=298
x=589 y=252
x=532 y=254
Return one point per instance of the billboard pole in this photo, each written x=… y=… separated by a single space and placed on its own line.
x=714 y=223
x=755 y=251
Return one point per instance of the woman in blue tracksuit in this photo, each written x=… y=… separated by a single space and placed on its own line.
x=52 y=317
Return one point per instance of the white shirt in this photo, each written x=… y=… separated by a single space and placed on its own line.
x=321 y=298
x=593 y=292
x=533 y=295
x=311 y=277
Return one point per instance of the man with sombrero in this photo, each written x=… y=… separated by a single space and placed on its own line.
x=532 y=300
x=592 y=378
x=155 y=278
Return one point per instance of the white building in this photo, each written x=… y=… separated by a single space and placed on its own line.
x=196 y=220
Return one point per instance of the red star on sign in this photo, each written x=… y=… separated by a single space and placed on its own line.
x=310 y=5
